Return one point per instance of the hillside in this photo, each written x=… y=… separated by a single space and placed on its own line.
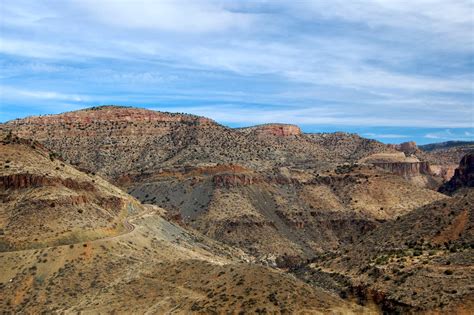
x=283 y=212
x=349 y=146
x=268 y=189
x=121 y=252
x=421 y=261
x=47 y=202
x=114 y=141
x=218 y=205
x=446 y=145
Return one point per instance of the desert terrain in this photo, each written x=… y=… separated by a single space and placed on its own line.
x=117 y=209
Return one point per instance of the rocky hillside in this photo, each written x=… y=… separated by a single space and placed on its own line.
x=117 y=141
x=349 y=146
x=427 y=168
x=268 y=189
x=279 y=130
x=47 y=202
x=243 y=208
x=285 y=212
x=446 y=153
x=421 y=261
x=73 y=243
x=114 y=141
x=446 y=145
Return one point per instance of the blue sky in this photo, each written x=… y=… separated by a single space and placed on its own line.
x=389 y=70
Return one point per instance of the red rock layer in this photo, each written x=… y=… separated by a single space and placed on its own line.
x=19 y=181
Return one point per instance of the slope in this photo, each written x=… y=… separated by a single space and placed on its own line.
x=143 y=263
x=47 y=202
x=421 y=261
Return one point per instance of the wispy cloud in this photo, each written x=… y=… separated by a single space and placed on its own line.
x=448 y=134
x=384 y=135
x=15 y=93
x=341 y=63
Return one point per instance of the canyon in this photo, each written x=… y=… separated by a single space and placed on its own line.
x=297 y=208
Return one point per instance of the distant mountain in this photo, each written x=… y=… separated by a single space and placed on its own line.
x=446 y=145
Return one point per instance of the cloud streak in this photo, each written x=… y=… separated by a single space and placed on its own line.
x=378 y=63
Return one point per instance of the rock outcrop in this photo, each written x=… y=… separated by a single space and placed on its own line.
x=279 y=130
x=398 y=163
x=406 y=169
x=407 y=147
x=232 y=180
x=446 y=172
x=463 y=176
x=26 y=180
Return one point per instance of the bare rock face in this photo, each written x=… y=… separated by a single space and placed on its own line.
x=232 y=180
x=463 y=176
x=418 y=172
x=26 y=180
x=278 y=130
x=407 y=169
x=446 y=172
x=399 y=164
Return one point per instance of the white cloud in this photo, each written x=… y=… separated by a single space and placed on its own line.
x=450 y=135
x=7 y=92
x=312 y=115
x=179 y=16
x=441 y=20
x=384 y=135
x=299 y=57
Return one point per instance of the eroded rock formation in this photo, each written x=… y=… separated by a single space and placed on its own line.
x=463 y=176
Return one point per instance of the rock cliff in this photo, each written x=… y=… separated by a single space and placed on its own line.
x=398 y=163
x=279 y=130
x=463 y=176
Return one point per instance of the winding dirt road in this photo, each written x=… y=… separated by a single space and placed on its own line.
x=129 y=227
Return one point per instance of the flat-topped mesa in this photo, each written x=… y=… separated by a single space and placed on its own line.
x=279 y=130
x=112 y=114
x=398 y=163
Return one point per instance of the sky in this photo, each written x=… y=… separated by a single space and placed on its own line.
x=390 y=70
